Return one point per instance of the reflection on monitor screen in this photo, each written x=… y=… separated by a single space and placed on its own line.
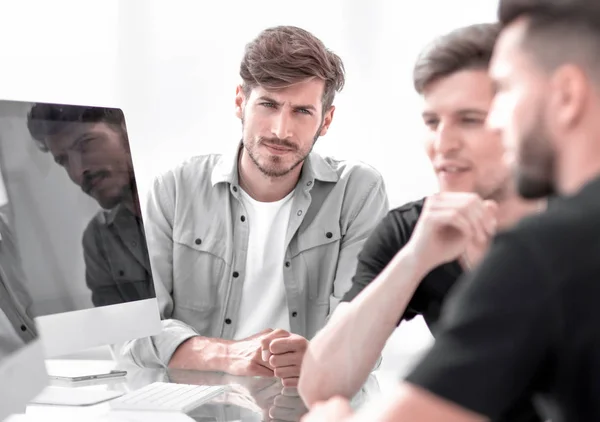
x=77 y=221
x=22 y=370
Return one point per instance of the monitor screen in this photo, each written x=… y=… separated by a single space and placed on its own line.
x=68 y=172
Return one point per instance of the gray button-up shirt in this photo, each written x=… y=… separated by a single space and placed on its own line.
x=197 y=231
x=15 y=301
x=117 y=266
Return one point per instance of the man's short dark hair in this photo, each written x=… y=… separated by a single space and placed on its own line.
x=284 y=55
x=44 y=120
x=469 y=47
x=557 y=31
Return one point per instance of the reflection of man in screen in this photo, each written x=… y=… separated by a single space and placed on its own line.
x=91 y=144
x=16 y=325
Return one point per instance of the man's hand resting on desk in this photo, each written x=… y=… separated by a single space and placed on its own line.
x=266 y=354
x=284 y=354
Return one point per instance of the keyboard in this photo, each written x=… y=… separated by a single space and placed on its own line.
x=163 y=396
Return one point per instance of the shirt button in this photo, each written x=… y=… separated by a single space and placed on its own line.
x=198 y=241
x=294 y=314
x=287 y=264
x=299 y=213
x=309 y=183
x=227 y=321
x=23 y=328
x=328 y=235
x=121 y=273
x=236 y=274
x=243 y=218
x=235 y=188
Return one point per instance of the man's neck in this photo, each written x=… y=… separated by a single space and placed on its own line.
x=132 y=202
x=261 y=187
x=577 y=168
x=514 y=208
x=577 y=158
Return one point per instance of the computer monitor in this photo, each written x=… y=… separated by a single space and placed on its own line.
x=22 y=370
x=69 y=174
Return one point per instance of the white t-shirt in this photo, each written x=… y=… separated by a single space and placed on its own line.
x=264 y=302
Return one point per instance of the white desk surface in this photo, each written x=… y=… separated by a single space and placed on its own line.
x=247 y=399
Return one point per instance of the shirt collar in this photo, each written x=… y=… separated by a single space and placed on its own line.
x=116 y=213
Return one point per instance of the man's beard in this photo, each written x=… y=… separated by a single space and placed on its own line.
x=535 y=166
x=276 y=171
x=126 y=195
x=530 y=187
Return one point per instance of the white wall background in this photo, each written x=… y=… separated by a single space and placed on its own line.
x=172 y=66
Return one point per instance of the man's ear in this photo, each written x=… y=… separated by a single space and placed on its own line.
x=240 y=100
x=327 y=118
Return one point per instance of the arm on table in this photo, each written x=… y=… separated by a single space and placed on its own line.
x=495 y=334
x=331 y=365
x=408 y=403
x=342 y=355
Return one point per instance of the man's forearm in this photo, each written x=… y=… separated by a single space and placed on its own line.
x=341 y=356
x=201 y=354
x=415 y=404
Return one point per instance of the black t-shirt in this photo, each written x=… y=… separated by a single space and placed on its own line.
x=527 y=319
x=391 y=234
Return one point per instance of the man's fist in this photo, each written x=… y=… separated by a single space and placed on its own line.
x=284 y=353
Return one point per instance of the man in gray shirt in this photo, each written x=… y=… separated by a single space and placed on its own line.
x=252 y=250
x=91 y=144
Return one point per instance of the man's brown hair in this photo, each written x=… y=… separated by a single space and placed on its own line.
x=285 y=55
x=469 y=47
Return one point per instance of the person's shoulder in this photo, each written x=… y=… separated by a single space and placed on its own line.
x=398 y=224
x=407 y=213
x=196 y=165
x=192 y=171
x=563 y=242
x=564 y=219
x=101 y=218
x=96 y=223
x=354 y=171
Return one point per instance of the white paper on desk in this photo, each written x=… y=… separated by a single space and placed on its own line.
x=60 y=396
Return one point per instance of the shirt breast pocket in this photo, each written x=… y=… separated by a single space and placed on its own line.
x=125 y=269
x=198 y=269
x=318 y=251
